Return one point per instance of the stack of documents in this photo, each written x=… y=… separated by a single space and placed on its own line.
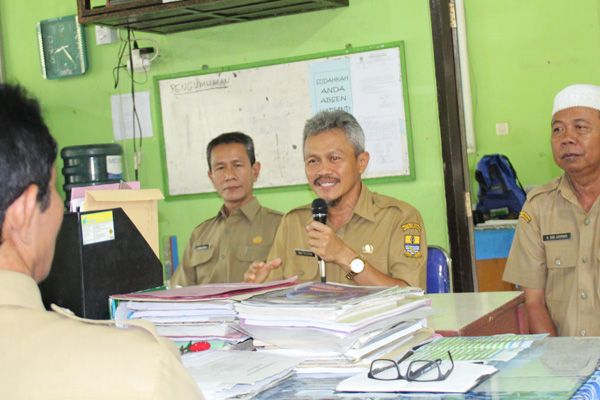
x=185 y=321
x=237 y=374
x=334 y=326
x=195 y=313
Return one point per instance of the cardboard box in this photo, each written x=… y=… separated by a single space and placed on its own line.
x=139 y=205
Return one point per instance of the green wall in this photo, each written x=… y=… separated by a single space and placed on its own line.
x=78 y=109
x=521 y=54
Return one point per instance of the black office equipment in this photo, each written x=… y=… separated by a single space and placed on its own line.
x=83 y=276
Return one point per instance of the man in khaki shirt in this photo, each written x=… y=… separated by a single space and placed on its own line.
x=554 y=256
x=221 y=248
x=368 y=238
x=55 y=355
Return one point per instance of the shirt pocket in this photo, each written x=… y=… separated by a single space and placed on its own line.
x=561 y=261
x=201 y=257
x=253 y=253
x=306 y=267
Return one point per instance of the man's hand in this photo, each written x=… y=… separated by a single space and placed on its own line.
x=258 y=271
x=325 y=243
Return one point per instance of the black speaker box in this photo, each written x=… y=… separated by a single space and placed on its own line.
x=84 y=276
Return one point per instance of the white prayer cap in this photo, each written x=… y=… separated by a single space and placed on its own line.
x=580 y=95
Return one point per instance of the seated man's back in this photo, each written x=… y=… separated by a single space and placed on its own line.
x=52 y=356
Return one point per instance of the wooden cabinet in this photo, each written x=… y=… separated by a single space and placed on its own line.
x=492 y=245
x=163 y=16
x=489 y=275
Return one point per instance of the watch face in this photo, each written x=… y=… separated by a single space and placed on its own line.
x=62 y=47
x=357 y=265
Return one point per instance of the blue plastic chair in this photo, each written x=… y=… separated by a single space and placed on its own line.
x=438 y=267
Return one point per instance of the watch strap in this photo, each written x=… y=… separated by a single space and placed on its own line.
x=351 y=274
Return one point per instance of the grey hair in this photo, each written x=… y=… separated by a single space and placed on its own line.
x=337 y=119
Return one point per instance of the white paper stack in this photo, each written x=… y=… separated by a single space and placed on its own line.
x=194 y=313
x=237 y=374
x=334 y=326
x=197 y=321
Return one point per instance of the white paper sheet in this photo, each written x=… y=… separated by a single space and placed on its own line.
x=222 y=374
x=122 y=115
x=464 y=377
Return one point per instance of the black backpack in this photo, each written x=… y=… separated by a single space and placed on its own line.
x=501 y=194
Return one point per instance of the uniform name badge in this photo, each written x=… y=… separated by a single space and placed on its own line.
x=305 y=253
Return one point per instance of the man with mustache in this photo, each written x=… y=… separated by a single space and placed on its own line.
x=221 y=247
x=369 y=239
x=554 y=256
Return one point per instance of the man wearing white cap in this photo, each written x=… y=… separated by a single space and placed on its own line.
x=555 y=253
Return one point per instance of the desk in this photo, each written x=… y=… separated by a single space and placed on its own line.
x=478 y=314
x=552 y=368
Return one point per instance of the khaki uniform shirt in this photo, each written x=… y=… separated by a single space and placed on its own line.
x=388 y=233
x=222 y=248
x=57 y=356
x=556 y=249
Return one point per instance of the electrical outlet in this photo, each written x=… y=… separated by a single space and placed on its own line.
x=105 y=35
x=140 y=61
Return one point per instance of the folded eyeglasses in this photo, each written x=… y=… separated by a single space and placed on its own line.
x=417 y=371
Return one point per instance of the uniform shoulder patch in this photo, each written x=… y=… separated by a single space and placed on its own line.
x=411 y=225
x=525 y=216
x=412 y=245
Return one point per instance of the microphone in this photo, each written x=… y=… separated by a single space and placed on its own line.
x=319 y=213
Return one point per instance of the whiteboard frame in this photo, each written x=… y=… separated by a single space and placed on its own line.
x=315 y=56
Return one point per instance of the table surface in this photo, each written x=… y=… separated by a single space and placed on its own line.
x=459 y=310
x=552 y=368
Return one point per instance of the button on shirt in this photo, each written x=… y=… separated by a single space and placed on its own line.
x=387 y=232
x=557 y=251
x=222 y=248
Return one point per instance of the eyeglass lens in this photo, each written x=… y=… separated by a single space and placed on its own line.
x=386 y=370
x=427 y=370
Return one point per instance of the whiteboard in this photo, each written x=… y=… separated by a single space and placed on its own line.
x=271 y=102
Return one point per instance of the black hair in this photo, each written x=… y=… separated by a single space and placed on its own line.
x=27 y=150
x=228 y=138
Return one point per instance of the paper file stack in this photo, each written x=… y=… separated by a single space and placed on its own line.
x=189 y=321
x=195 y=313
x=334 y=326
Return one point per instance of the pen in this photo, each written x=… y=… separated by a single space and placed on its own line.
x=421 y=345
x=405 y=356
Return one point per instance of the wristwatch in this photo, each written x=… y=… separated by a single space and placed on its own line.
x=356 y=267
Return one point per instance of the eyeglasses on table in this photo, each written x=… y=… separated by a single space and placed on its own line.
x=417 y=371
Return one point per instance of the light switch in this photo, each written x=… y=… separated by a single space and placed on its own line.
x=502 y=128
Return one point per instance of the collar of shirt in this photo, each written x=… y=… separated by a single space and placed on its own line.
x=565 y=186
x=17 y=289
x=364 y=208
x=250 y=210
